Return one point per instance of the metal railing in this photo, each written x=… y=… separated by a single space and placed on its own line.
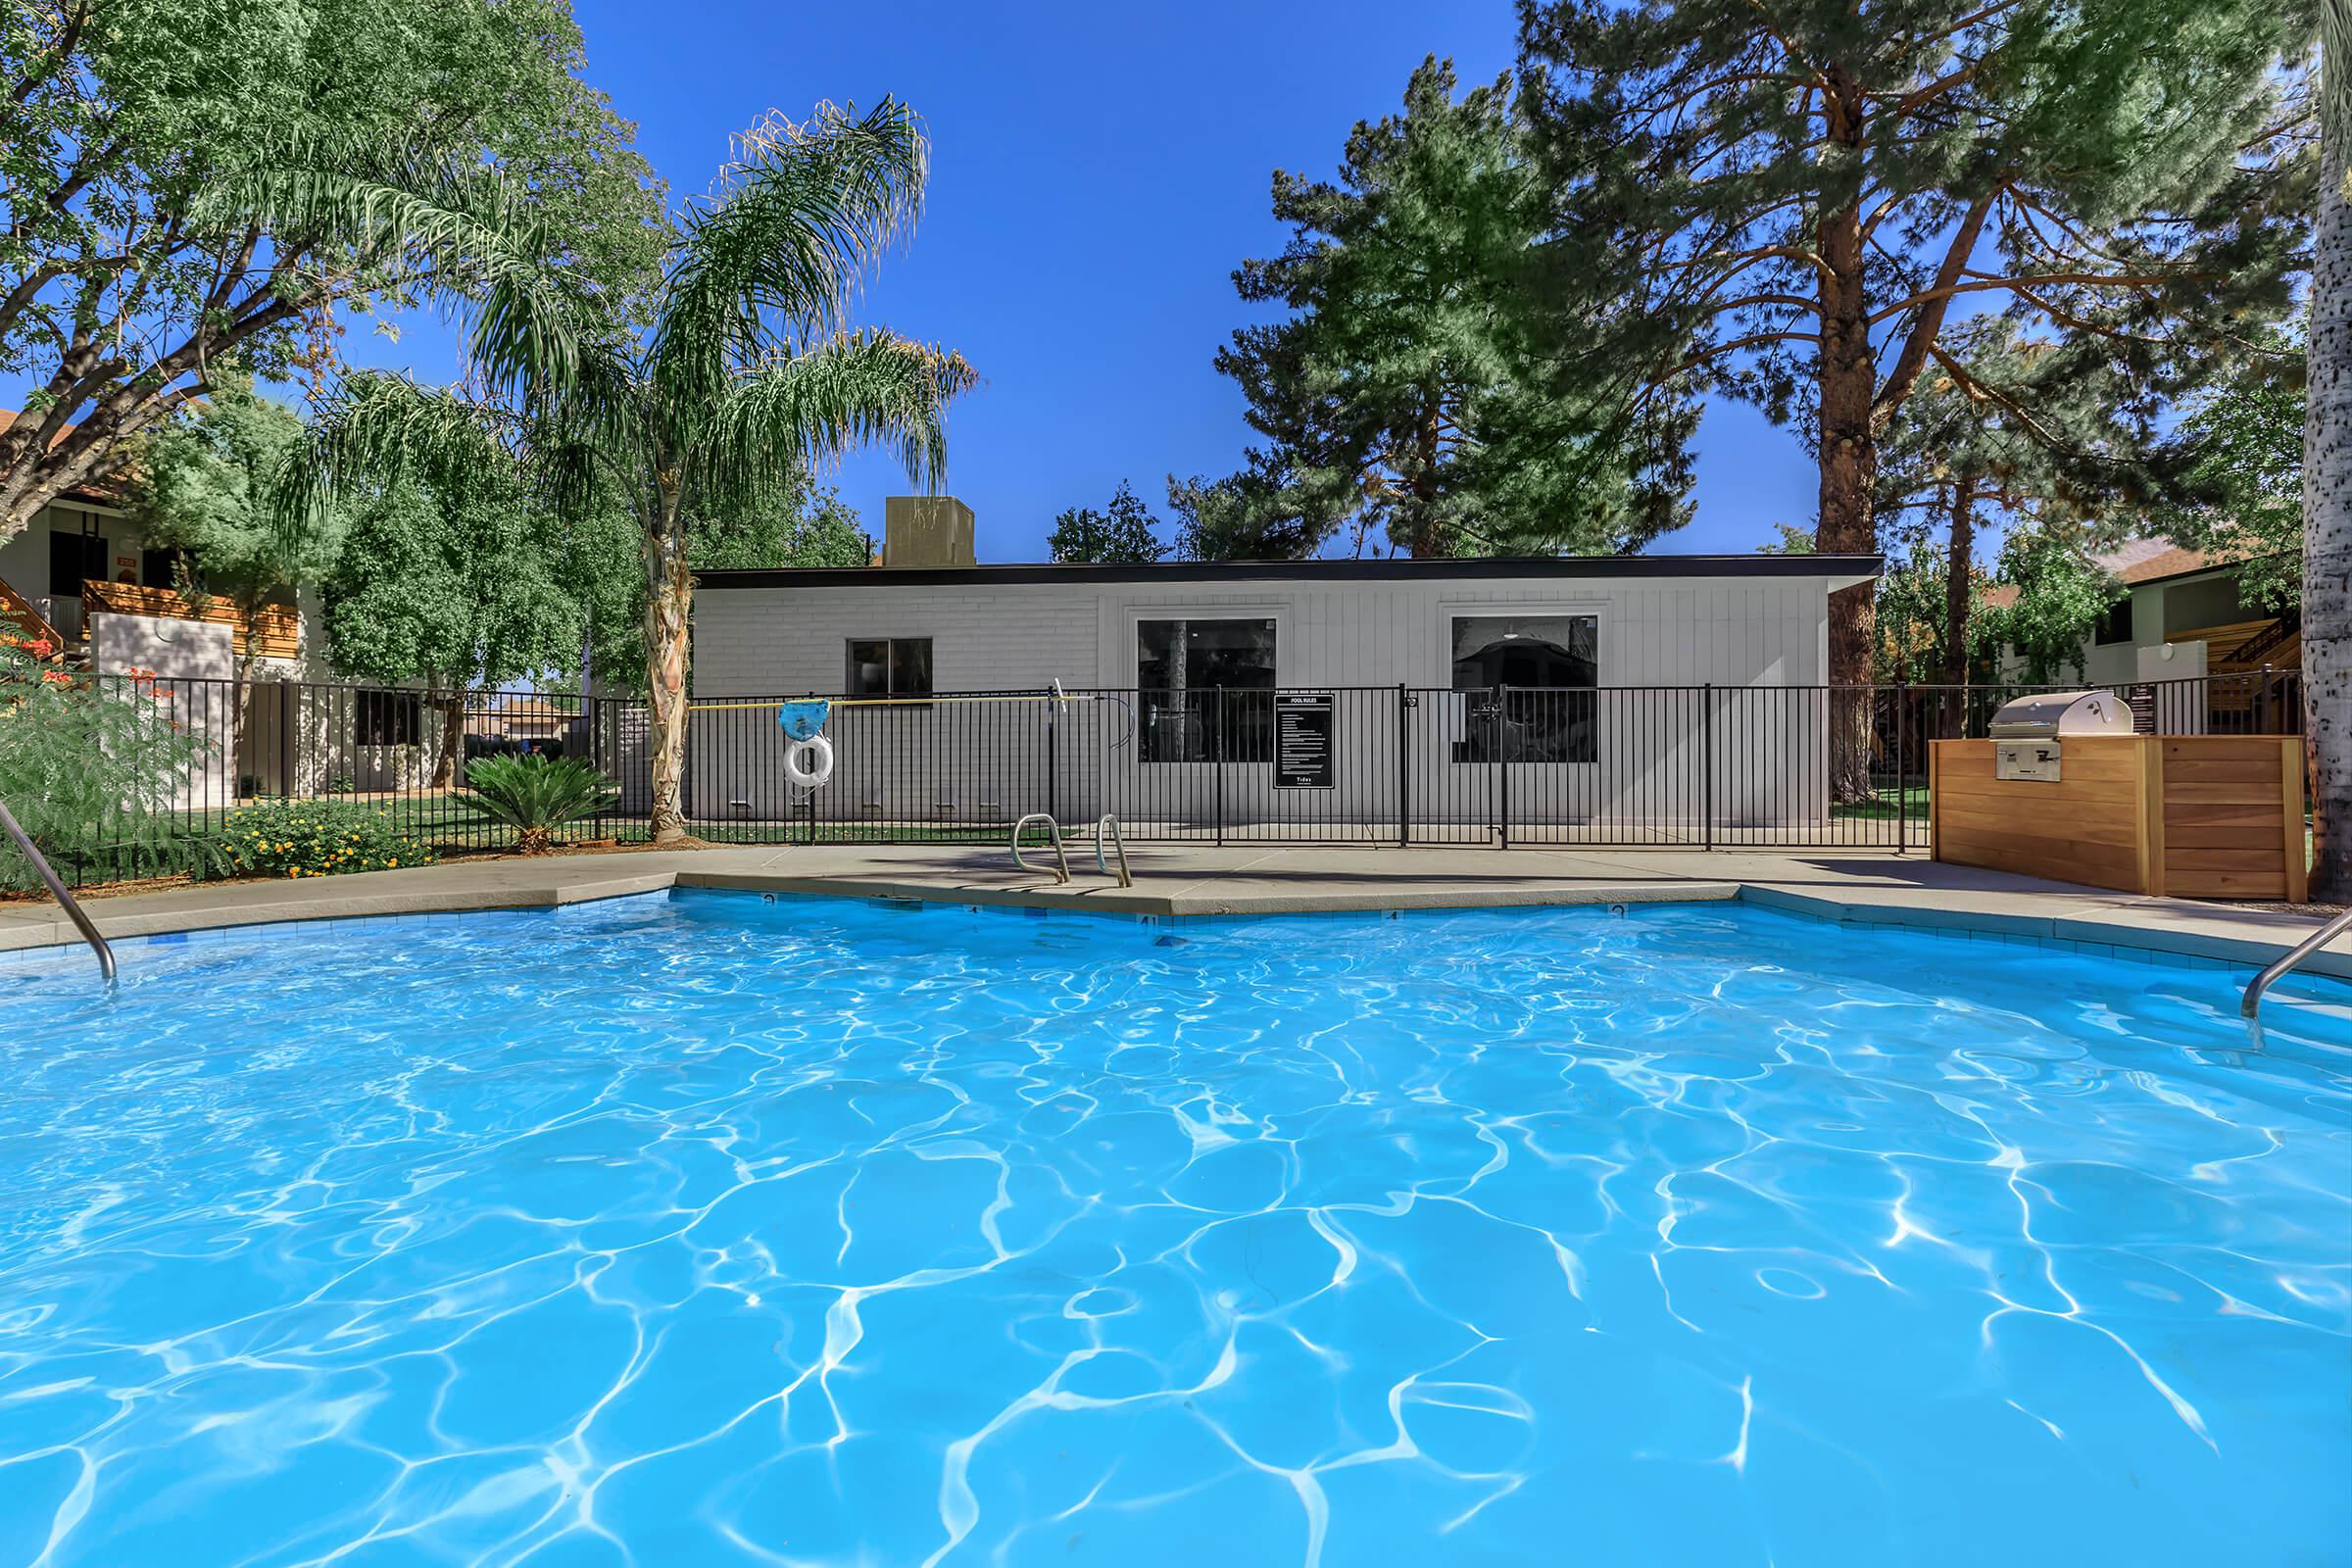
x=58 y=891
x=2289 y=960
x=1692 y=767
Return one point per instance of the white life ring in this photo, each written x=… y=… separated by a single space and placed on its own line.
x=808 y=764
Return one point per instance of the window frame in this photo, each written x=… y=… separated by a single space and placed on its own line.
x=1222 y=753
x=1472 y=717
x=850 y=687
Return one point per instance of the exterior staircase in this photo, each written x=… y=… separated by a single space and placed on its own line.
x=21 y=620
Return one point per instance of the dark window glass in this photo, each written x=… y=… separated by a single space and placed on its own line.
x=159 y=568
x=2115 y=622
x=388 y=718
x=1207 y=690
x=1530 y=682
x=888 y=666
x=75 y=558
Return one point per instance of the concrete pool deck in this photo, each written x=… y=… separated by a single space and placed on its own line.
x=1187 y=881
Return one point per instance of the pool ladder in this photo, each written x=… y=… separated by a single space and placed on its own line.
x=2301 y=950
x=56 y=890
x=1108 y=825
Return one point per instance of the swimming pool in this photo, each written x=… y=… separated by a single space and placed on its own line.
x=697 y=1229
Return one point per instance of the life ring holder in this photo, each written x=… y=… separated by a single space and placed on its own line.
x=808 y=764
x=807 y=755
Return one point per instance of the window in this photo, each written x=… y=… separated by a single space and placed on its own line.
x=75 y=558
x=1535 y=677
x=158 y=567
x=1206 y=690
x=2115 y=623
x=888 y=666
x=388 y=718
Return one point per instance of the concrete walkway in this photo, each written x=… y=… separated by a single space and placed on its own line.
x=1182 y=881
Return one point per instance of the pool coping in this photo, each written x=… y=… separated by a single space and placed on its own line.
x=2027 y=914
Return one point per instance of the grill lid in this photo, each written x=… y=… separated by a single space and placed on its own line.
x=2046 y=715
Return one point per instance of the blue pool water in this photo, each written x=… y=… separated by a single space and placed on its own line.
x=701 y=1230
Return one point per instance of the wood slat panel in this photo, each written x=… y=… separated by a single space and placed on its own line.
x=2228 y=885
x=2260 y=771
x=2240 y=795
x=1962 y=811
x=2242 y=836
x=2182 y=858
x=2187 y=817
x=2221 y=748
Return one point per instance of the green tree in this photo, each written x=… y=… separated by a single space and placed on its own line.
x=2243 y=442
x=135 y=263
x=2058 y=592
x=202 y=484
x=2030 y=433
x=1401 y=395
x=459 y=594
x=743 y=377
x=804 y=524
x=1797 y=205
x=1125 y=533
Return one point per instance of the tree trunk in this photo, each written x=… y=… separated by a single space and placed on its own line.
x=452 y=740
x=669 y=607
x=1846 y=374
x=1959 y=568
x=2327 y=479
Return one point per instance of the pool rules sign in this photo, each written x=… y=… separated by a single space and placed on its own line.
x=1302 y=757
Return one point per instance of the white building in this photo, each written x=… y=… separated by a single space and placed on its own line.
x=1346 y=695
x=2182 y=619
x=84 y=578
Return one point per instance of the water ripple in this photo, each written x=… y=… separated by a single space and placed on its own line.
x=692 y=1229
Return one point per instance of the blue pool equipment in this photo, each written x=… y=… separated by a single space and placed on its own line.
x=809 y=759
x=804 y=720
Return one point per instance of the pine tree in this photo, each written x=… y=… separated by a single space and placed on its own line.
x=1404 y=395
x=1797 y=205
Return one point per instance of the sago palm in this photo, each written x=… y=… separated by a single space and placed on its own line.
x=535 y=795
x=743 y=374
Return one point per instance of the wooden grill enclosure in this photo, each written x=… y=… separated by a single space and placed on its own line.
x=2196 y=816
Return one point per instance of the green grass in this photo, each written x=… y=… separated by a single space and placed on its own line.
x=1912 y=801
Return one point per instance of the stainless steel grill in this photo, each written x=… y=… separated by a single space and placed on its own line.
x=2029 y=733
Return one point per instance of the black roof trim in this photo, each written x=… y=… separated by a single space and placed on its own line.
x=1387 y=569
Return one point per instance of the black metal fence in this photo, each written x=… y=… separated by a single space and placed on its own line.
x=1674 y=766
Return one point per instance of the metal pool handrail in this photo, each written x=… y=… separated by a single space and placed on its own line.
x=56 y=890
x=2301 y=950
x=1118 y=841
x=1052 y=827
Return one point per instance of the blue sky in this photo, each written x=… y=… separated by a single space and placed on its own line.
x=1098 y=173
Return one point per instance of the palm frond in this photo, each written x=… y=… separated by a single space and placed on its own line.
x=463 y=227
x=860 y=389
x=377 y=428
x=779 y=249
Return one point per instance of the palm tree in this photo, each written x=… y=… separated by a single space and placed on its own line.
x=740 y=373
x=2328 y=475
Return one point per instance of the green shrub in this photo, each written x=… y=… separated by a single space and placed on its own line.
x=536 y=794
x=95 y=767
x=319 y=838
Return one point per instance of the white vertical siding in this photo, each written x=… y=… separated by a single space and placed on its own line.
x=1767 y=749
